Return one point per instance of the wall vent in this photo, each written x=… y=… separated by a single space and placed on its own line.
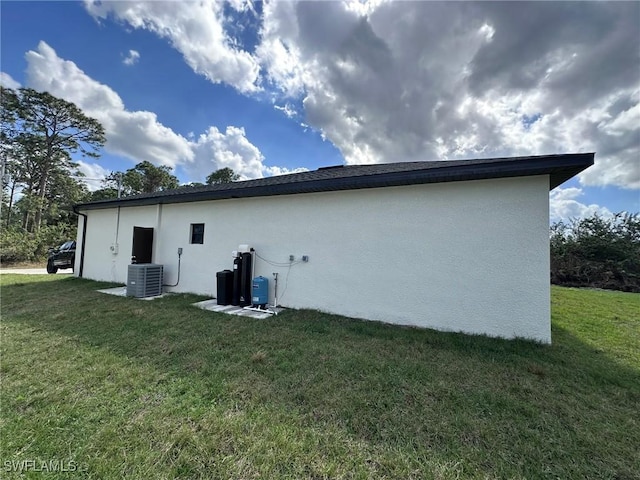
x=144 y=280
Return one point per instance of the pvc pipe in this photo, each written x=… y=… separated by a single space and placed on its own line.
x=253 y=272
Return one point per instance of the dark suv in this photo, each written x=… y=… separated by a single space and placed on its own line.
x=62 y=257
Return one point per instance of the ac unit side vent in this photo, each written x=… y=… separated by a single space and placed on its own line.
x=144 y=280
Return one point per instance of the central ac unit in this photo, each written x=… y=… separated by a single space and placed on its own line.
x=144 y=280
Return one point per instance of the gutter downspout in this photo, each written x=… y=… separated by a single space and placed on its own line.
x=84 y=237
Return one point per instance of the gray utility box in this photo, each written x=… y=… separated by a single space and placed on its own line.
x=144 y=280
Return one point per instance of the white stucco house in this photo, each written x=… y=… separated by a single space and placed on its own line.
x=450 y=245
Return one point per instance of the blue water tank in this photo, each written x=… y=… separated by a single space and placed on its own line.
x=260 y=291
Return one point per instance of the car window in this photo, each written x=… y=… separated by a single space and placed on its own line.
x=66 y=246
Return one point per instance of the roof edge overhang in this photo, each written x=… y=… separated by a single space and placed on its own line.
x=560 y=168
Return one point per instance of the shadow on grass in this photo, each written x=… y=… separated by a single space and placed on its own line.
x=499 y=407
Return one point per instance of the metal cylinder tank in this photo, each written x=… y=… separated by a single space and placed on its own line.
x=237 y=277
x=260 y=292
x=245 y=280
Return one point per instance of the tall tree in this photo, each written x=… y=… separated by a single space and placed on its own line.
x=105 y=193
x=43 y=132
x=8 y=149
x=143 y=178
x=222 y=175
x=10 y=184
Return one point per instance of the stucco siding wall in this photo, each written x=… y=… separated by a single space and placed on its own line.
x=462 y=256
x=104 y=229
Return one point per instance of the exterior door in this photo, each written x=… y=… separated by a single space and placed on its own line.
x=142 y=249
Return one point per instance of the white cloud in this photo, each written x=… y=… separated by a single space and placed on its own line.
x=622 y=170
x=276 y=171
x=94 y=174
x=397 y=81
x=282 y=61
x=197 y=30
x=404 y=81
x=214 y=150
x=8 y=82
x=139 y=135
x=288 y=109
x=132 y=58
x=564 y=206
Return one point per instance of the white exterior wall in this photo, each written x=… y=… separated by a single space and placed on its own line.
x=105 y=229
x=464 y=256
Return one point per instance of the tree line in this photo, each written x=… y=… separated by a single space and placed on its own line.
x=598 y=252
x=39 y=136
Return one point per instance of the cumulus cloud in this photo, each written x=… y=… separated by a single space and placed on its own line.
x=8 y=82
x=425 y=80
x=399 y=81
x=132 y=58
x=214 y=150
x=94 y=174
x=563 y=205
x=196 y=30
x=139 y=135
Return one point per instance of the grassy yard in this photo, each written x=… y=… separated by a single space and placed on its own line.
x=123 y=388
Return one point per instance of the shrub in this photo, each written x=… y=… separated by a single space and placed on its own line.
x=16 y=245
x=597 y=252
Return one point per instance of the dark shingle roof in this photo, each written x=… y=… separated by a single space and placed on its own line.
x=560 y=168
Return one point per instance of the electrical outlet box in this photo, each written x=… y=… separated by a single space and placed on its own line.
x=113 y=248
x=292 y=258
x=305 y=258
x=179 y=250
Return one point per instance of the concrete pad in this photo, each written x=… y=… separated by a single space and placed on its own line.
x=212 y=306
x=122 y=292
x=117 y=291
x=206 y=304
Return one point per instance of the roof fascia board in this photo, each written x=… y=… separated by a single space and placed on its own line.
x=559 y=168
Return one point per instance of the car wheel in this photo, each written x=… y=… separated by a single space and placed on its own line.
x=51 y=268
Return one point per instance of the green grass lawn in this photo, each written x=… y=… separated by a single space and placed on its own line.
x=124 y=388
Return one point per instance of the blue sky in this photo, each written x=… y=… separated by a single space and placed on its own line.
x=272 y=88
